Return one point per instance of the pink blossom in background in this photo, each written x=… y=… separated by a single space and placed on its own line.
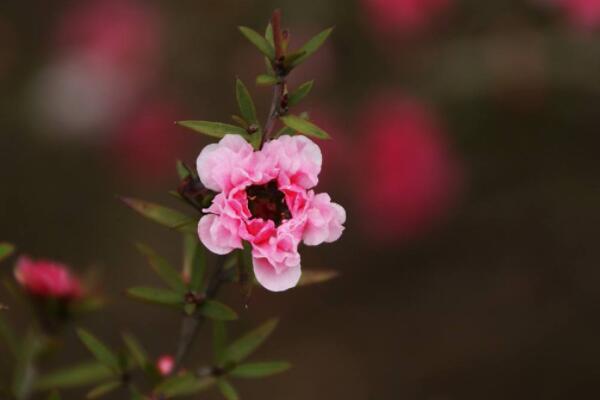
x=165 y=365
x=47 y=279
x=148 y=143
x=403 y=16
x=265 y=198
x=409 y=177
x=118 y=33
x=584 y=14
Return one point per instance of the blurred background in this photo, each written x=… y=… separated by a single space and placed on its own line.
x=465 y=144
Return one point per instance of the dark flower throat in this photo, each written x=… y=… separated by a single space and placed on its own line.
x=268 y=202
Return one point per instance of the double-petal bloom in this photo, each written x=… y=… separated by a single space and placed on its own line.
x=265 y=197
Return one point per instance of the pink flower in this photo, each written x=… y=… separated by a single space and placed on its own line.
x=47 y=279
x=165 y=365
x=408 y=173
x=265 y=198
x=403 y=16
x=584 y=14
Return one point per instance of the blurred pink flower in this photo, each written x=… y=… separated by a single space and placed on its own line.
x=148 y=143
x=47 y=279
x=265 y=198
x=584 y=14
x=408 y=174
x=121 y=33
x=403 y=16
x=165 y=365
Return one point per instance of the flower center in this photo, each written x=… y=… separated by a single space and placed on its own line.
x=268 y=202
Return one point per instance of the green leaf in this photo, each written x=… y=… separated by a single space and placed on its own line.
x=312 y=276
x=163 y=297
x=290 y=59
x=227 y=390
x=79 y=375
x=219 y=341
x=54 y=396
x=216 y=310
x=182 y=170
x=6 y=249
x=214 y=129
x=299 y=94
x=8 y=337
x=260 y=42
x=245 y=103
x=312 y=46
x=183 y=385
x=24 y=376
x=260 y=369
x=136 y=350
x=303 y=126
x=163 y=269
x=103 y=389
x=245 y=345
x=87 y=305
x=240 y=121
x=269 y=35
x=99 y=350
x=266 y=80
x=194 y=262
x=163 y=215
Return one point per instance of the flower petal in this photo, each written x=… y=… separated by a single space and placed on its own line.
x=270 y=279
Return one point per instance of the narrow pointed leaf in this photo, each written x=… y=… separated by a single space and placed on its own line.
x=312 y=46
x=240 y=121
x=6 y=249
x=216 y=310
x=269 y=35
x=299 y=94
x=24 y=375
x=103 y=389
x=99 y=350
x=312 y=276
x=227 y=390
x=136 y=350
x=163 y=269
x=214 y=129
x=260 y=42
x=245 y=345
x=290 y=59
x=182 y=170
x=245 y=103
x=219 y=341
x=194 y=262
x=266 y=80
x=79 y=375
x=163 y=297
x=303 y=126
x=163 y=215
x=260 y=369
x=183 y=385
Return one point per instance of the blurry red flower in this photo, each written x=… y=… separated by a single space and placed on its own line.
x=408 y=174
x=165 y=365
x=403 y=16
x=584 y=14
x=148 y=143
x=47 y=279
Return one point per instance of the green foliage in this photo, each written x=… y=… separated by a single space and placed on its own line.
x=310 y=47
x=136 y=350
x=266 y=80
x=227 y=390
x=214 y=129
x=54 y=396
x=259 y=369
x=103 y=389
x=247 y=344
x=313 y=276
x=78 y=375
x=216 y=310
x=245 y=103
x=99 y=350
x=6 y=249
x=163 y=215
x=194 y=262
x=182 y=170
x=183 y=385
x=219 y=340
x=261 y=43
x=163 y=269
x=24 y=375
x=299 y=94
x=163 y=297
x=303 y=126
